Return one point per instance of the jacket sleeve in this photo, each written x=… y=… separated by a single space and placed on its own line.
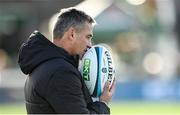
x=65 y=95
x=98 y=108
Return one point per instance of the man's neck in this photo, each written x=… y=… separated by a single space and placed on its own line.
x=63 y=44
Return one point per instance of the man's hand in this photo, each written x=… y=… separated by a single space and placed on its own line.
x=108 y=92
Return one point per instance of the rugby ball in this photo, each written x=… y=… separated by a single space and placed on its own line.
x=97 y=67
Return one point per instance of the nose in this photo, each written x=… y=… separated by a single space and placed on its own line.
x=89 y=44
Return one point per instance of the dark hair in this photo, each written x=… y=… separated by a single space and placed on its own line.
x=70 y=17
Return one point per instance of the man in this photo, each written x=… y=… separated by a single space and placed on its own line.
x=54 y=84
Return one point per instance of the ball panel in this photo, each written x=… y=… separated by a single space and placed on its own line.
x=98 y=90
x=90 y=59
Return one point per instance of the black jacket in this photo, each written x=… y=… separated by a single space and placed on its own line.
x=54 y=84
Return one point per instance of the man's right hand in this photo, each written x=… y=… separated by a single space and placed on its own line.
x=108 y=92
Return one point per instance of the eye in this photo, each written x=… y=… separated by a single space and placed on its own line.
x=89 y=37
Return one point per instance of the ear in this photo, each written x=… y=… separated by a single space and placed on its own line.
x=71 y=33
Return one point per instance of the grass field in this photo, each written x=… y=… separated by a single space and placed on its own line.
x=163 y=108
x=170 y=108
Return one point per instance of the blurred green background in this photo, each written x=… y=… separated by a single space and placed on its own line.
x=133 y=107
x=144 y=36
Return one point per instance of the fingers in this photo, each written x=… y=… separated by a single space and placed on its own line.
x=105 y=97
x=112 y=89
x=109 y=89
x=106 y=86
x=108 y=92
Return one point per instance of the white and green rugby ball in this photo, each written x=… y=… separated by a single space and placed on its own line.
x=96 y=68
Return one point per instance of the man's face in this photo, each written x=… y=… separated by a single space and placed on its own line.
x=83 y=40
